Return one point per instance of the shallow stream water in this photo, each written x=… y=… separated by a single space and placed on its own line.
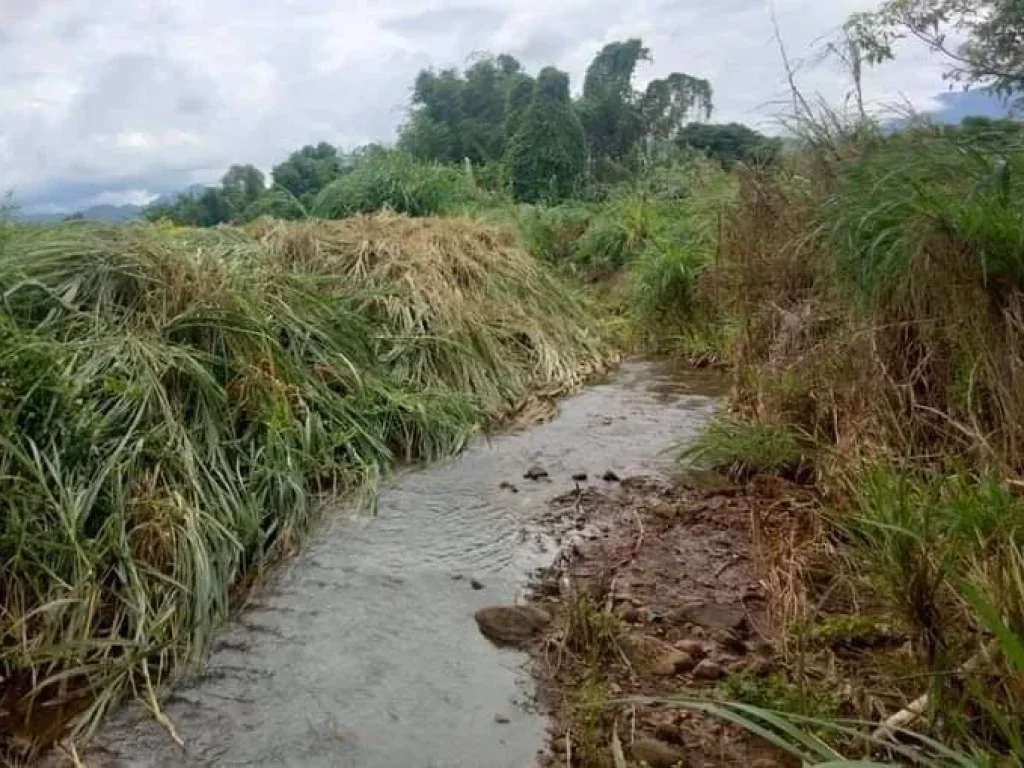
x=363 y=651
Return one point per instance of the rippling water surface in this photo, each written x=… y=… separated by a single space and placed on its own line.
x=363 y=651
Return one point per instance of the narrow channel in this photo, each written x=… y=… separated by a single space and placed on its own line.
x=363 y=652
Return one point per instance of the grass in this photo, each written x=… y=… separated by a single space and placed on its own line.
x=172 y=403
x=391 y=180
x=741 y=450
x=873 y=291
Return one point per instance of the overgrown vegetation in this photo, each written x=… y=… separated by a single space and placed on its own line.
x=174 y=400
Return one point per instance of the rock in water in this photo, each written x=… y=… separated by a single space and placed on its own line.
x=511 y=625
x=536 y=472
x=656 y=753
x=610 y=477
x=476 y=584
x=580 y=477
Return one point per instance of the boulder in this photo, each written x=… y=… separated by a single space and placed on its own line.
x=511 y=625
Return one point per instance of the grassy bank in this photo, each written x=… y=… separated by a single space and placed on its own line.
x=174 y=402
x=871 y=295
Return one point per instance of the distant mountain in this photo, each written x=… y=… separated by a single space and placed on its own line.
x=110 y=214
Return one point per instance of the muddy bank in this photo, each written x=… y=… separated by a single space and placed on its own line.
x=658 y=591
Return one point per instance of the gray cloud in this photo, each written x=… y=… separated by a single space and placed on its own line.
x=128 y=98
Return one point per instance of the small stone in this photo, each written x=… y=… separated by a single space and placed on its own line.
x=656 y=753
x=536 y=472
x=476 y=584
x=693 y=648
x=580 y=477
x=458 y=577
x=708 y=670
x=610 y=477
x=511 y=625
x=629 y=613
x=719 y=616
x=671 y=663
x=656 y=614
x=732 y=643
x=502 y=719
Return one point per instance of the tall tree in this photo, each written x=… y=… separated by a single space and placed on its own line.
x=517 y=101
x=983 y=39
x=307 y=171
x=547 y=154
x=609 y=112
x=619 y=119
x=242 y=186
x=731 y=143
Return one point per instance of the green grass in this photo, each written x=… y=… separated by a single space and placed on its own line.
x=741 y=450
x=394 y=181
x=172 y=402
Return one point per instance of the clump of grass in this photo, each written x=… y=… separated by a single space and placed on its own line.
x=459 y=305
x=742 y=450
x=172 y=402
x=593 y=634
x=397 y=182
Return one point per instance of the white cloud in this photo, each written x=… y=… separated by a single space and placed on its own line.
x=100 y=98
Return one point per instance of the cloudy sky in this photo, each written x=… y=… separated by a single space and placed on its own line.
x=120 y=100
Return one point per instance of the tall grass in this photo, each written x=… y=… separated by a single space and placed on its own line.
x=874 y=286
x=171 y=403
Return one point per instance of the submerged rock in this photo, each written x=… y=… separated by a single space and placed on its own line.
x=536 y=472
x=508 y=487
x=511 y=625
x=580 y=477
x=610 y=477
x=476 y=584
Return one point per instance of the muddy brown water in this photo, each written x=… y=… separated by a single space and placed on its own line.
x=363 y=650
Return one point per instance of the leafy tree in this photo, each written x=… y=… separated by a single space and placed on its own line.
x=277 y=202
x=517 y=101
x=458 y=116
x=608 y=109
x=547 y=154
x=989 y=35
x=307 y=171
x=242 y=185
x=619 y=120
x=731 y=143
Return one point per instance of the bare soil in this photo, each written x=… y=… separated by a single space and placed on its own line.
x=673 y=604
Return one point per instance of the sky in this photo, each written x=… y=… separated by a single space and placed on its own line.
x=122 y=100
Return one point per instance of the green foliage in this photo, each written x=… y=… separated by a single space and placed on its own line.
x=307 y=171
x=620 y=121
x=242 y=186
x=776 y=691
x=395 y=181
x=545 y=159
x=917 y=205
x=743 y=450
x=171 y=402
x=553 y=233
x=456 y=116
x=731 y=144
x=988 y=33
x=277 y=203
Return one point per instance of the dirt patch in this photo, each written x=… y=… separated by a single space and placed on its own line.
x=656 y=593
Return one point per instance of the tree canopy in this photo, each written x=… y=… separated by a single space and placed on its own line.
x=981 y=38
x=307 y=171
x=731 y=143
x=546 y=156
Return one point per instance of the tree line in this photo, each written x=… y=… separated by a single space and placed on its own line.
x=523 y=134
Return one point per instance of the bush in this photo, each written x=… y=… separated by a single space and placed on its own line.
x=396 y=182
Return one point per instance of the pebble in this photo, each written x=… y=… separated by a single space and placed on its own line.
x=708 y=670
x=502 y=719
x=475 y=584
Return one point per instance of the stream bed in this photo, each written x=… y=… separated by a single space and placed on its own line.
x=362 y=652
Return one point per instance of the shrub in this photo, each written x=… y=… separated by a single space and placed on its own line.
x=397 y=182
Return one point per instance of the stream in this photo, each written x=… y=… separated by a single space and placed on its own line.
x=363 y=651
